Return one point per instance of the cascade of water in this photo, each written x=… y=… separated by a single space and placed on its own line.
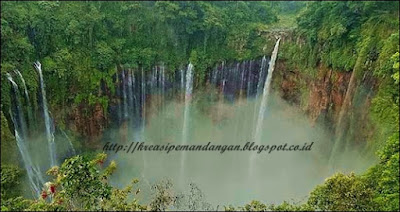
x=47 y=119
x=249 y=79
x=143 y=116
x=29 y=109
x=162 y=96
x=257 y=134
x=163 y=80
x=143 y=103
x=19 y=114
x=182 y=82
x=130 y=97
x=124 y=96
x=34 y=176
x=261 y=76
x=69 y=141
x=223 y=87
x=214 y=76
x=135 y=104
x=242 y=78
x=119 y=108
x=188 y=94
x=238 y=78
x=133 y=90
x=258 y=89
x=153 y=80
x=130 y=93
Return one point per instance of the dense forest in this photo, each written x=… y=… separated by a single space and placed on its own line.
x=338 y=62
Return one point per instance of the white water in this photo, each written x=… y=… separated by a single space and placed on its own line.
x=47 y=119
x=135 y=108
x=34 y=176
x=223 y=177
x=249 y=79
x=261 y=76
x=23 y=84
x=131 y=104
x=188 y=94
x=258 y=90
x=125 y=106
x=242 y=79
x=144 y=104
x=182 y=88
x=69 y=141
x=267 y=85
x=30 y=117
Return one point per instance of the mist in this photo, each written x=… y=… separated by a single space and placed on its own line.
x=224 y=178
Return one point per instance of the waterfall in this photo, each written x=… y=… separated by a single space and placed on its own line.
x=162 y=98
x=188 y=94
x=162 y=81
x=130 y=94
x=130 y=104
x=118 y=92
x=143 y=103
x=242 y=78
x=23 y=84
x=233 y=80
x=69 y=141
x=261 y=76
x=125 y=103
x=249 y=78
x=182 y=82
x=33 y=173
x=135 y=105
x=30 y=116
x=238 y=77
x=143 y=116
x=267 y=85
x=342 y=122
x=258 y=90
x=47 y=119
x=214 y=76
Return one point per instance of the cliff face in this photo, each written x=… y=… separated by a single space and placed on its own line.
x=322 y=97
x=320 y=93
x=319 y=96
x=88 y=123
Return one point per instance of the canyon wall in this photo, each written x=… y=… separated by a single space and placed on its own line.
x=321 y=95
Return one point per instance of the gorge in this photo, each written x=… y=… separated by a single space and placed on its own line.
x=221 y=72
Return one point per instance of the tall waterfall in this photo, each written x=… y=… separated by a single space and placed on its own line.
x=242 y=79
x=143 y=104
x=261 y=76
x=21 y=136
x=249 y=79
x=47 y=119
x=188 y=94
x=144 y=90
x=162 y=95
x=28 y=101
x=182 y=75
x=257 y=134
x=141 y=90
x=124 y=90
x=259 y=88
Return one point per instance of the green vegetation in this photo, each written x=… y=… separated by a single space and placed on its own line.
x=9 y=152
x=79 y=184
x=81 y=44
x=10 y=181
x=361 y=37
